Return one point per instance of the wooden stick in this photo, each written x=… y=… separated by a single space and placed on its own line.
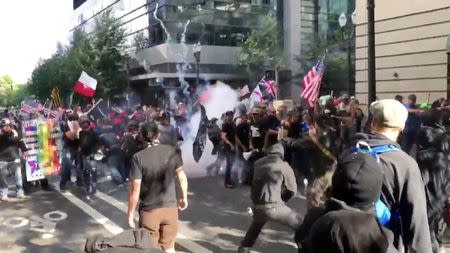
x=93 y=107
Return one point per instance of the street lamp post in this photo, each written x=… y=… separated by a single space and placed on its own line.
x=348 y=37
x=371 y=51
x=197 y=51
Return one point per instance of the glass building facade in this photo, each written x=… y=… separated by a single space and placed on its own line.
x=210 y=22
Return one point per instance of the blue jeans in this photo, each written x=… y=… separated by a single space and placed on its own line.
x=88 y=168
x=68 y=161
x=5 y=167
x=116 y=162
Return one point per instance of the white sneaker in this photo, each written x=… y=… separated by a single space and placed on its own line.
x=20 y=195
x=5 y=198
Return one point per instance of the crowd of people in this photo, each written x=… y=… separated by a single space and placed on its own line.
x=374 y=183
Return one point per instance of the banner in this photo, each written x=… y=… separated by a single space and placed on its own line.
x=43 y=138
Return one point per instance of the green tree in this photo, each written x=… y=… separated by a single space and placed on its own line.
x=263 y=48
x=336 y=76
x=98 y=54
x=107 y=43
x=11 y=93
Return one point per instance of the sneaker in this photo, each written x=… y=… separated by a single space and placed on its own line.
x=230 y=186
x=246 y=250
x=63 y=188
x=20 y=195
x=5 y=198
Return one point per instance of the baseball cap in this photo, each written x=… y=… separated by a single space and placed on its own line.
x=5 y=122
x=357 y=180
x=389 y=112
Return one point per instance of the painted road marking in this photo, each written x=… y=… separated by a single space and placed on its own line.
x=181 y=239
x=112 y=227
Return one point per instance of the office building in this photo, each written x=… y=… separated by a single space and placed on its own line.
x=412 y=47
x=164 y=33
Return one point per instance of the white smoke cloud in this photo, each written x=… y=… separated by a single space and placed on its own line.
x=223 y=98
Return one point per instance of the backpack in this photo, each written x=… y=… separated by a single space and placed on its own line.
x=383 y=213
x=129 y=241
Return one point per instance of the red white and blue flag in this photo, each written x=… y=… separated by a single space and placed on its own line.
x=312 y=81
x=270 y=88
x=28 y=109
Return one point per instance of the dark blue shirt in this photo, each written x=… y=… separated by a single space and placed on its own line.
x=413 y=122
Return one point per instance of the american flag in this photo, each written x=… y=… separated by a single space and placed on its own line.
x=50 y=112
x=270 y=88
x=28 y=109
x=311 y=82
x=39 y=107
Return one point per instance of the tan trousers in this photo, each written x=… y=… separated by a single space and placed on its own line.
x=162 y=224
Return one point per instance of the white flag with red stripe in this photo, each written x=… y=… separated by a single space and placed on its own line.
x=312 y=81
x=256 y=96
x=86 y=85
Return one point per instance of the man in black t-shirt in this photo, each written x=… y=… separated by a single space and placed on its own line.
x=229 y=142
x=155 y=173
x=70 y=150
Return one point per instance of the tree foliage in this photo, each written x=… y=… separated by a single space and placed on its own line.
x=336 y=77
x=98 y=54
x=11 y=93
x=263 y=47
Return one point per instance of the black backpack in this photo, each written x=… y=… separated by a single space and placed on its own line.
x=129 y=241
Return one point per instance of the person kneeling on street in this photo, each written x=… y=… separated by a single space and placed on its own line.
x=348 y=223
x=273 y=185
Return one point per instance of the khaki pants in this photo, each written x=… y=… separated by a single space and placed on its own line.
x=162 y=224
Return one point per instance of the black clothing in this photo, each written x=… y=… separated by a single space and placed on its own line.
x=295 y=130
x=89 y=142
x=256 y=136
x=270 y=123
x=357 y=180
x=156 y=166
x=272 y=178
x=403 y=190
x=214 y=136
x=68 y=143
x=341 y=228
x=273 y=185
x=10 y=143
x=229 y=157
x=243 y=134
x=280 y=213
x=230 y=130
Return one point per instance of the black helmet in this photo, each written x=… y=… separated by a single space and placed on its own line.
x=5 y=122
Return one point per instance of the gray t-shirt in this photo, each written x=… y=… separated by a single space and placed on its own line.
x=156 y=166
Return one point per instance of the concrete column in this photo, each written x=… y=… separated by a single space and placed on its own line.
x=292 y=25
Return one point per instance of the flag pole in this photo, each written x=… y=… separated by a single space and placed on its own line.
x=70 y=100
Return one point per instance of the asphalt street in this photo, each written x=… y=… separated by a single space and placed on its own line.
x=52 y=221
x=215 y=221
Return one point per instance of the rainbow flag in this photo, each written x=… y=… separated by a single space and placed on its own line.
x=44 y=139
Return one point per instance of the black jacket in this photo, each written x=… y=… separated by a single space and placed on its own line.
x=9 y=146
x=341 y=228
x=89 y=142
x=273 y=180
x=403 y=190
